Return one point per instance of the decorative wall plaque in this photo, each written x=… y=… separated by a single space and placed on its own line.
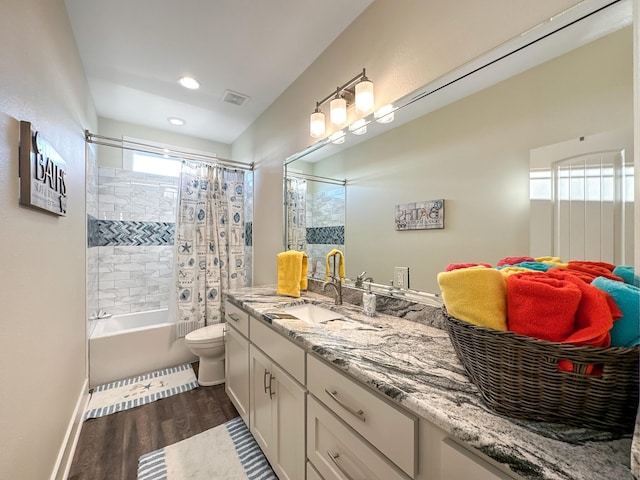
x=42 y=173
x=428 y=214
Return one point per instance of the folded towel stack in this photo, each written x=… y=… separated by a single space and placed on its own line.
x=293 y=267
x=476 y=295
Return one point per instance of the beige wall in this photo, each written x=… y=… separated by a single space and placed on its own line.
x=42 y=280
x=402 y=49
x=112 y=157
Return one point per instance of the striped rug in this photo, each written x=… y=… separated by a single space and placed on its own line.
x=227 y=452
x=133 y=392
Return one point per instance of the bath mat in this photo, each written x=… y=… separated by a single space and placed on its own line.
x=227 y=452
x=133 y=392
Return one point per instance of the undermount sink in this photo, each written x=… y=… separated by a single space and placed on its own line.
x=312 y=313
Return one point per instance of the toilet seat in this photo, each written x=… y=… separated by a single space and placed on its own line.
x=211 y=334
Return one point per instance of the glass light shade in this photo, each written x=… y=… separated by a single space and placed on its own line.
x=364 y=97
x=337 y=137
x=316 y=125
x=338 y=112
x=359 y=127
x=385 y=114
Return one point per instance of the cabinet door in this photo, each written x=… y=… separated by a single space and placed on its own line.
x=261 y=422
x=459 y=464
x=237 y=371
x=289 y=417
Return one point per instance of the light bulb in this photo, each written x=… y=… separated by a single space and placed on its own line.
x=338 y=111
x=189 y=82
x=364 y=96
x=316 y=124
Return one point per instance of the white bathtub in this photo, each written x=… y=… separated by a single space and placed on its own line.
x=127 y=345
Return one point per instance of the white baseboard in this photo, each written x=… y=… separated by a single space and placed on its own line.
x=68 y=447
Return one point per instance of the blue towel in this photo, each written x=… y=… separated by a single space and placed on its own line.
x=628 y=274
x=538 y=266
x=626 y=330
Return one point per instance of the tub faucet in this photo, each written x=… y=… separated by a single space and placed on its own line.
x=336 y=283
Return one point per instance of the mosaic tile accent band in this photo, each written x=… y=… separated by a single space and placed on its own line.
x=102 y=233
x=120 y=232
x=325 y=235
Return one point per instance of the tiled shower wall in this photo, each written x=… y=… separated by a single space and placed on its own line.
x=131 y=222
x=133 y=235
x=325 y=226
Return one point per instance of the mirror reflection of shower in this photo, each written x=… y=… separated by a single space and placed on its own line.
x=314 y=217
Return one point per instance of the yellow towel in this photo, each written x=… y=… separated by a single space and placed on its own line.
x=476 y=295
x=292 y=273
x=329 y=265
x=506 y=271
x=553 y=261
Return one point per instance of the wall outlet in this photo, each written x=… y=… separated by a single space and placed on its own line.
x=401 y=276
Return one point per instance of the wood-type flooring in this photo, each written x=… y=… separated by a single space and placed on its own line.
x=109 y=447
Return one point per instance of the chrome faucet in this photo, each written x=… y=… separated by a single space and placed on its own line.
x=336 y=283
x=361 y=278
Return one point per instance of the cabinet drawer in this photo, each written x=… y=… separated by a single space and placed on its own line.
x=289 y=356
x=237 y=317
x=457 y=463
x=338 y=453
x=312 y=474
x=388 y=428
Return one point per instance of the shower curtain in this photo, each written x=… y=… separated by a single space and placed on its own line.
x=296 y=213
x=210 y=239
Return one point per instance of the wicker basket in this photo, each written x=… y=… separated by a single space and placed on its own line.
x=518 y=376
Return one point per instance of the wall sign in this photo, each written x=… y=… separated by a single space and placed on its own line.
x=420 y=215
x=42 y=173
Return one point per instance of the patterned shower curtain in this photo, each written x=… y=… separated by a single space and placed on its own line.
x=296 y=214
x=210 y=240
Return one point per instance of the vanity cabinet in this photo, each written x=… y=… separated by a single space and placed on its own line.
x=276 y=403
x=236 y=354
x=458 y=463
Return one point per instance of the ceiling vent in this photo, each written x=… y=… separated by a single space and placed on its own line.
x=235 y=98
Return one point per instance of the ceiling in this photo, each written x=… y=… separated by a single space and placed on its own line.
x=134 y=52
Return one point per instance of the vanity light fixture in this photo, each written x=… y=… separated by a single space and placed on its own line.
x=178 y=122
x=358 y=91
x=359 y=127
x=337 y=137
x=189 y=82
x=385 y=114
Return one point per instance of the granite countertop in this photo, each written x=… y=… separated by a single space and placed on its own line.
x=415 y=365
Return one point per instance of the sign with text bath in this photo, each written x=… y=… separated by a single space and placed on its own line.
x=42 y=173
x=424 y=215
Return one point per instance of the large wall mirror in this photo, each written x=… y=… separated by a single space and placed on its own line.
x=473 y=138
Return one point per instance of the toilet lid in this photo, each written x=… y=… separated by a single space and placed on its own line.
x=210 y=333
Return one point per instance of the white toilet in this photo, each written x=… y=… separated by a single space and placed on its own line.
x=208 y=344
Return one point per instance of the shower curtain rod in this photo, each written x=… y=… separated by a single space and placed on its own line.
x=316 y=178
x=173 y=153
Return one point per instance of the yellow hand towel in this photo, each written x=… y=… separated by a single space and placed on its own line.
x=328 y=267
x=292 y=273
x=506 y=271
x=553 y=261
x=476 y=295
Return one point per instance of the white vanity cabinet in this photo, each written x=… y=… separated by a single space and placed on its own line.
x=276 y=402
x=458 y=463
x=236 y=355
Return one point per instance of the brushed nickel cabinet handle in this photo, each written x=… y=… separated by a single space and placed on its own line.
x=357 y=413
x=271 y=392
x=264 y=380
x=334 y=458
x=233 y=317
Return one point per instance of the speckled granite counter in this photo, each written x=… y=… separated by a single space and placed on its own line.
x=415 y=364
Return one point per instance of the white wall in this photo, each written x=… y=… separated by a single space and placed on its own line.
x=403 y=46
x=112 y=157
x=42 y=280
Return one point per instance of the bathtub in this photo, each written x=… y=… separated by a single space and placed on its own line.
x=127 y=345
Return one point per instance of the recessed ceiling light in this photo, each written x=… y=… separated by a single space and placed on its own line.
x=189 y=82
x=176 y=121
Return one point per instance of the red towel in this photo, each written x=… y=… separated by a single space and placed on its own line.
x=585 y=277
x=594 y=316
x=608 y=266
x=456 y=266
x=541 y=306
x=514 y=260
x=594 y=269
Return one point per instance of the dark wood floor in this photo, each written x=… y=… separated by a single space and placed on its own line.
x=109 y=447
